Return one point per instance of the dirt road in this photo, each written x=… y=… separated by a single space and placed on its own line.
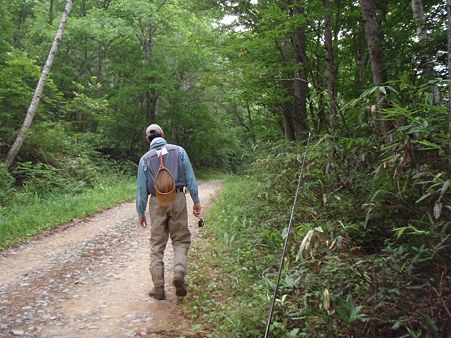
x=90 y=278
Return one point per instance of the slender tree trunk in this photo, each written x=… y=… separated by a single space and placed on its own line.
x=448 y=11
x=300 y=81
x=322 y=123
x=374 y=41
x=150 y=95
x=150 y=99
x=106 y=4
x=330 y=81
x=422 y=34
x=426 y=63
x=83 y=7
x=287 y=85
x=51 y=12
x=101 y=63
x=288 y=126
x=253 y=138
x=15 y=148
x=360 y=62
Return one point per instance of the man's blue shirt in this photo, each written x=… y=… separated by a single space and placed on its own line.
x=141 y=191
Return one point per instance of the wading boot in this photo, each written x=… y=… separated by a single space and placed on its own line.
x=179 y=284
x=157 y=292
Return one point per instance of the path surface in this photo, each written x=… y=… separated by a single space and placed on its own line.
x=90 y=278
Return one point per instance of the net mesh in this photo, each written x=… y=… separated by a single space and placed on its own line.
x=165 y=188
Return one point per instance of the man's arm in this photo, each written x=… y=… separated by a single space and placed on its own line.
x=141 y=193
x=191 y=181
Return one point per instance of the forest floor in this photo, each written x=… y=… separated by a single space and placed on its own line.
x=90 y=278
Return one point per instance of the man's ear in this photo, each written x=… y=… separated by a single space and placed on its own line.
x=147 y=138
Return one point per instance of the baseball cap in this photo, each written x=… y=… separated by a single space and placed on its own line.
x=154 y=129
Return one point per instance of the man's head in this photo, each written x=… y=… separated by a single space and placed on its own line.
x=153 y=131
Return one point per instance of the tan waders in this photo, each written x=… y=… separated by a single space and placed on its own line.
x=171 y=221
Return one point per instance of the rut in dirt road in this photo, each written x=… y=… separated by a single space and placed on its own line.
x=90 y=278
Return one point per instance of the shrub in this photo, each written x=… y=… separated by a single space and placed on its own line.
x=6 y=181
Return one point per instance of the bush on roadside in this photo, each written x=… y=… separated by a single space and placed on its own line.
x=367 y=255
x=6 y=182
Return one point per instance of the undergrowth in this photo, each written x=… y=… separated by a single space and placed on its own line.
x=368 y=255
x=227 y=295
x=30 y=214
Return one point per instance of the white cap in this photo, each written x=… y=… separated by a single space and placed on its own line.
x=154 y=129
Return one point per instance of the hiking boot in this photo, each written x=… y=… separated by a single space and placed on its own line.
x=157 y=292
x=179 y=284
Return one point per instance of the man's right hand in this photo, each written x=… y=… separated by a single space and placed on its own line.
x=197 y=209
x=143 y=222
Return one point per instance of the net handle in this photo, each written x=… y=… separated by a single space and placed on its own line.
x=161 y=162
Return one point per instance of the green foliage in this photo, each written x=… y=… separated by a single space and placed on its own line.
x=6 y=183
x=17 y=78
x=87 y=114
x=60 y=161
x=39 y=179
x=347 y=311
x=227 y=295
x=374 y=197
x=370 y=239
x=28 y=214
x=6 y=29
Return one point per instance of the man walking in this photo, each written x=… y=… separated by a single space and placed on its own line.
x=166 y=220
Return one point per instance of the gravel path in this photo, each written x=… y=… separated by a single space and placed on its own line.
x=90 y=278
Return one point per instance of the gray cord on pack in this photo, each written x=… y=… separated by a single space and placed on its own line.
x=268 y=323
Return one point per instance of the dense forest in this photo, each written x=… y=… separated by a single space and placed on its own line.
x=361 y=88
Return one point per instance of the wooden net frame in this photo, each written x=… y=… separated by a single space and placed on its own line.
x=164 y=185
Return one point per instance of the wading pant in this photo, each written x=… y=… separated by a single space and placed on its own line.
x=165 y=222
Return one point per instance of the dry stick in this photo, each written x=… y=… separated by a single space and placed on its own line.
x=443 y=302
x=268 y=323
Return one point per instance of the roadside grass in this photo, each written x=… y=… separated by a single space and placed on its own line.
x=33 y=215
x=227 y=297
x=204 y=174
x=342 y=276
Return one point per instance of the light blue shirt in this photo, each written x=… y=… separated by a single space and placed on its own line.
x=141 y=189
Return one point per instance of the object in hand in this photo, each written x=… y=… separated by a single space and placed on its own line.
x=201 y=222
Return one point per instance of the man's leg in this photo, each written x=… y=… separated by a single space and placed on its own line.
x=159 y=234
x=181 y=240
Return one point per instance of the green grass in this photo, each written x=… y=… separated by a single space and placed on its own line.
x=19 y=222
x=203 y=174
x=227 y=298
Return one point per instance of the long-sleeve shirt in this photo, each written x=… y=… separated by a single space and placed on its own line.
x=142 y=194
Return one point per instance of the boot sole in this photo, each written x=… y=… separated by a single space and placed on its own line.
x=180 y=288
x=157 y=297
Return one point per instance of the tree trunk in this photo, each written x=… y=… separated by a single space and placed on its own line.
x=83 y=7
x=448 y=11
x=101 y=55
x=287 y=85
x=300 y=81
x=374 y=41
x=330 y=81
x=422 y=34
x=322 y=123
x=15 y=148
x=426 y=63
x=51 y=12
x=150 y=100
x=288 y=115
